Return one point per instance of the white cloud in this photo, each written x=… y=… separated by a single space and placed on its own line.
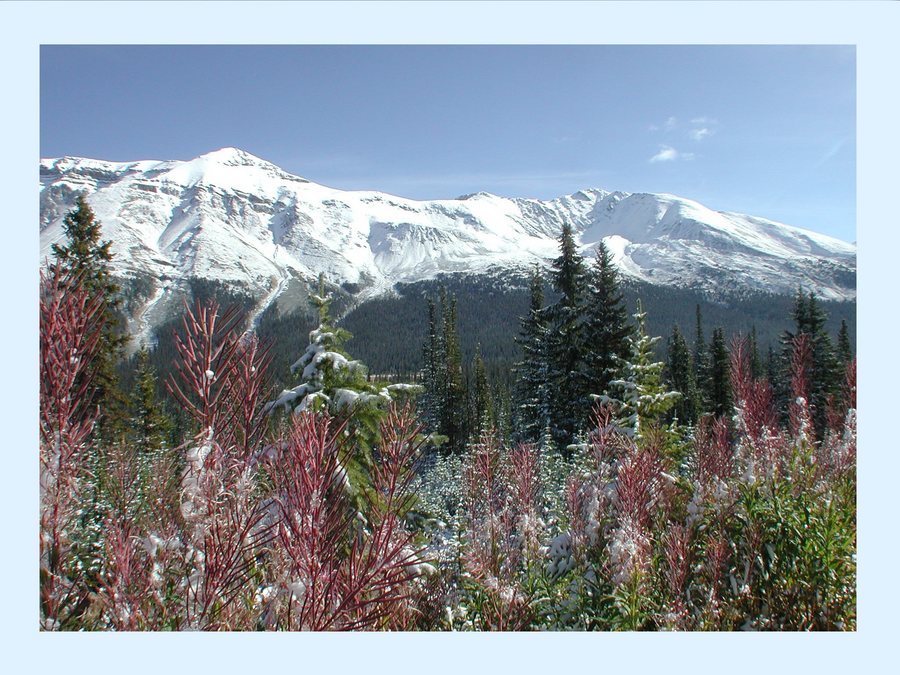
x=665 y=154
x=670 y=124
x=669 y=154
x=704 y=120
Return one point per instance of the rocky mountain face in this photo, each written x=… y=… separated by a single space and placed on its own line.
x=234 y=218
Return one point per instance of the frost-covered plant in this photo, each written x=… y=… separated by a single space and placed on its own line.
x=336 y=568
x=678 y=560
x=836 y=456
x=220 y=379
x=124 y=582
x=778 y=537
x=70 y=327
x=755 y=420
x=502 y=529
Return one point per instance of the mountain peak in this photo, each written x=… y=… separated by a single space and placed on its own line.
x=233 y=156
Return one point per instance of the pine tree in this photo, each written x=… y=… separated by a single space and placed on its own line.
x=701 y=363
x=86 y=257
x=773 y=369
x=532 y=390
x=330 y=379
x=606 y=330
x=453 y=395
x=502 y=408
x=680 y=371
x=756 y=369
x=433 y=358
x=150 y=425
x=824 y=377
x=845 y=352
x=718 y=391
x=641 y=396
x=568 y=390
x=482 y=404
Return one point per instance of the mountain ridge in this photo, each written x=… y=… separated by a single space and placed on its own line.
x=233 y=217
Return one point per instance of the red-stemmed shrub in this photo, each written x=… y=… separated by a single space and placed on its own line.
x=70 y=327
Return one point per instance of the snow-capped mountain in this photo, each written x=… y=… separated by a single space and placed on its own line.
x=236 y=218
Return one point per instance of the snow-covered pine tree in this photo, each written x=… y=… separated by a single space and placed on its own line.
x=640 y=397
x=329 y=378
x=606 y=330
x=532 y=413
x=565 y=342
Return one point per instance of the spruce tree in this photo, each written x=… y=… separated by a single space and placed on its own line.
x=606 y=329
x=433 y=358
x=718 y=391
x=532 y=412
x=756 y=369
x=680 y=375
x=568 y=390
x=502 y=408
x=328 y=378
x=86 y=257
x=824 y=378
x=482 y=404
x=845 y=352
x=150 y=425
x=641 y=396
x=453 y=395
x=701 y=363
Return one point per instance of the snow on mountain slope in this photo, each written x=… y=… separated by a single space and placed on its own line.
x=236 y=218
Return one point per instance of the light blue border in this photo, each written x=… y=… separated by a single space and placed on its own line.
x=872 y=26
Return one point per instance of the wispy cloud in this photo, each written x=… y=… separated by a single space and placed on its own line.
x=668 y=125
x=700 y=134
x=702 y=127
x=669 y=154
x=833 y=150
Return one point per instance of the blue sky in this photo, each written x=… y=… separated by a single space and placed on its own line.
x=765 y=130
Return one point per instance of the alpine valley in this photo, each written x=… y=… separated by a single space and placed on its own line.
x=247 y=227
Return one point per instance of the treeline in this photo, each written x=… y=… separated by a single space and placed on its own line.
x=499 y=328
x=579 y=343
x=388 y=331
